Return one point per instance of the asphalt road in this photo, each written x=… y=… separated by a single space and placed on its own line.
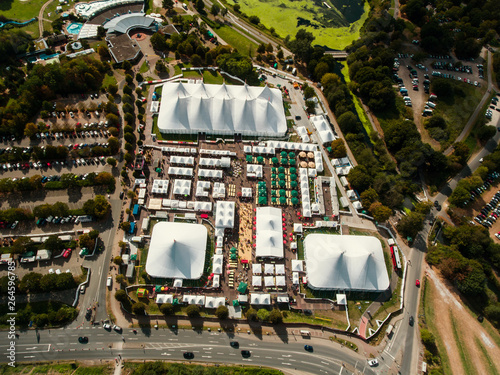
x=273 y=351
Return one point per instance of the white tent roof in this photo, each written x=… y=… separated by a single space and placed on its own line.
x=218 y=259
x=282 y=299
x=210 y=173
x=280 y=281
x=293 y=245
x=341 y=299
x=202 y=187
x=302 y=132
x=193 y=299
x=224 y=214
x=219 y=190
x=182 y=187
x=318 y=159
x=280 y=269
x=178 y=283
x=297 y=265
x=160 y=187
x=260 y=299
x=255 y=170
x=214 y=302
x=216 y=281
x=177 y=250
x=345 y=263
x=269 y=232
x=295 y=278
x=256 y=268
x=178 y=171
x=269 y=268
x=203 y=206
x=357 y=205
x=182 y=160
x=246 y=192
x=221 y=109
x=323 y=128
x=269 y=280
x=297 y=227
x=256 y=280
x=164 y=298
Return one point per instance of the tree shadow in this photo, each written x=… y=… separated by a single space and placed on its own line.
x=256 y=329
x=281 y=332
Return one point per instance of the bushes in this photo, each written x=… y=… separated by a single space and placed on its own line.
x=193 y=311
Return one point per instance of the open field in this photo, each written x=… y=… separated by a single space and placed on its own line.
x=18 y=10
x=237 y=41
x=334 y=28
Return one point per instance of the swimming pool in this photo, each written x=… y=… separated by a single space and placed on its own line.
x=74 y=28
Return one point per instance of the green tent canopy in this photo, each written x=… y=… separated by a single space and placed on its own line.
x=235 y=302
x=275 y=160
x=293 y=184
x=282 y=200
x=242 y=288
x=283 y=154
x=273 y=199
x=281 y=183
x=233 y=257
x=284 y=161
x=282 y=192
x=262 y=183
x=157 y=288
x=262 y=200
x=291 y=155
x=293 y=170
x=281 y=176
x=249 y=158
x=175 y=301
x=273 y=169
x=329 y=149
x=273 y=183
x=293 y=177
x=262 y=193
x=273 y=193
x=273 y=176
x=292 y=161
x=281 y=169
x=295 y=201
x=260 y=159
x=233 y=249
x=295 y=193
x=133 y=257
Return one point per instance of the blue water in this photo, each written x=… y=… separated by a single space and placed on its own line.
x=43 y=56
x=74 y=28
x=2 y=24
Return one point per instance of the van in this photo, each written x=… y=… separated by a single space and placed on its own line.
x=294 y=71
x=431 y=104
x=184 y=5
x=305 y=333
x=109 y=281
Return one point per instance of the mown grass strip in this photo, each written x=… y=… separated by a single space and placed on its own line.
x=491 y=365
x=462 y=350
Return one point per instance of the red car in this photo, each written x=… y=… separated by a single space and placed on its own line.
x=417 y=283
x=67 y=253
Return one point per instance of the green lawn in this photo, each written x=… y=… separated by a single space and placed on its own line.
x=21 y=10
x=211 y=77
x=237 y=41
x=329 y=26
x=144 y=67
x=108 y=80
x=192 y=74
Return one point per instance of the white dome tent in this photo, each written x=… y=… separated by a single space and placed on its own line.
x=345 y=263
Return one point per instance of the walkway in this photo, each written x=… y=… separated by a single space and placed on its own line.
x=40 y=17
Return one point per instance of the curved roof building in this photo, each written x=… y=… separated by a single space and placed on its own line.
x=177 y=250
x=190 y=108
x=336 y=262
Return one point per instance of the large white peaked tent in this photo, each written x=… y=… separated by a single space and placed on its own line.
x=189 y=108
x=177 y=250
x=224 y=214
x=345 y=263
x=269 y=232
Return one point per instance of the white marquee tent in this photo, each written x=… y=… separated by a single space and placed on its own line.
x=255 y=170
x=297 y=228
x=182 y=187
x=280 y=281
x=297 y=265
x=256 y=268
x=164 y=298
x=202 y=188
x=224 y=214
x=182 y=160
x=260 y=299
x=246 y=192
x=214 y=302
x=191 y=108
x=179 y=171
x=345 y=263
x=269 y=268
x=269 y=280
x=323 y=128
x=269 y=232
x=295 y=278
x=219 y=190
x=177 y=283
x=256 y=280
x=203 y=206
x=193 y=299
x=210 y=173
x=177 y=250
x=160 y=187
x=216 y=281
x=280 y=269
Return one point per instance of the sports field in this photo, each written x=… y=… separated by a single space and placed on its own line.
x=334 y=23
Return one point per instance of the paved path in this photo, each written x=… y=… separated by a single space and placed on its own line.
x=40 y=17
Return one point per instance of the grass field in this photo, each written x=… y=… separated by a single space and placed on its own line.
x=335 y=28
x=237 y=41
x=467 y=362
x=108 y=80
x=21 y=10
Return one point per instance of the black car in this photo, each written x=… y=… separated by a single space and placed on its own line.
x=83 y=340
x=245 y=353
x=411 y=321
x=122 y=194
x=309 y=348
x=188 y=355
x=436 y=203
x=234 y=344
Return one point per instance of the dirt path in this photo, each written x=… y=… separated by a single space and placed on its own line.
x=446 y=303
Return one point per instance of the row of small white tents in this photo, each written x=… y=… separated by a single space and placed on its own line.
x=207 y=301
x=278 y=269
x=269 y=281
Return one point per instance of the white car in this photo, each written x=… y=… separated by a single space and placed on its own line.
x=373 y=362
x=106 y=326
x=117 y=328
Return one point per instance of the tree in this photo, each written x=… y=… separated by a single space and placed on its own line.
x=193 y=311
x=349 y=123
x=21 y=245
x=261 y=48
x=254 y=19
x=121 y=296
x=338 y=148
x=125 y=226
x=359 y=178
x=54 y=244
x=223 y=12
x=410 y=225
x=118 y=260
x=139 y=308
x=251 y=314
x=484 y=133
x=442 y=87
x=275 y=317
x=196 y=60
x=121 y=279
x=104 y=53
x=30 y=282
x=308 y=92
x=200 y=6
x=269 y=48
x=380 y=212
x=215 y=10
x=168 y=5
x=263 y=314
x=167 y=309
x=222 y=312
x=30 y=130
x=158 y=42
x=461 y=152
x=126 y=65
x=301 y=46
x=112 y=162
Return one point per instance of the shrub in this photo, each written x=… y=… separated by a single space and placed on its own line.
x=193 y=311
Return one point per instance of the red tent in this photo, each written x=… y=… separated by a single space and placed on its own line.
x=244 y=261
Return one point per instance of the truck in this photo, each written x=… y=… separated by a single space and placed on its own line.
x=84 y=219
x=294 y=71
